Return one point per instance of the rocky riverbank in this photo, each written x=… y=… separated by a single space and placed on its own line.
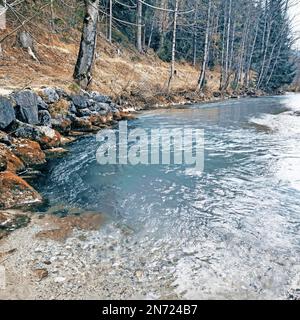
x=37 y=125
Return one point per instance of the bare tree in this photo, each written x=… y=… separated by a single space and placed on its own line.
x=172 y=69
x=110 y=21
x=139 y=26
x=206 y=49
x=83 y=68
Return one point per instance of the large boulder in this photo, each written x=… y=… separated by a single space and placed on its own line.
x=16 y=192
x=7 y=113
x=9 y=161
x=50 y=138
x=45 y=136
x=29 y=152
x=26 y=106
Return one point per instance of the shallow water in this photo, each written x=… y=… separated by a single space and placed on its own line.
x=229 y=232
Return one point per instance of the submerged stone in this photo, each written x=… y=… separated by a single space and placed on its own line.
x=16 y=192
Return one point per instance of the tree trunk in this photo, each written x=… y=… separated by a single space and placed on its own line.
x=83 y=68
x=139 y=45
x=195 y=36
x=206 y=47
x=223 y=52
x=266 y=46
x=227 y=43
x=150 y=36
x=172 y=69
x=247 y=75
x=110 y=21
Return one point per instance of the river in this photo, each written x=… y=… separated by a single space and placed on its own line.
x=231 y=231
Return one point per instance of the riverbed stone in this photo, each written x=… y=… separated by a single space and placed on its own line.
x=23 y=130
x=16 y=192
x=9 y=161
x=62 y=125
x=7 y=113
x=50 y=138
x=45 y=136
x=26 y=106
x=29 y=152
x=56 y=153
x=11 y=220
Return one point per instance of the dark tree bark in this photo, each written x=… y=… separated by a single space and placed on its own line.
x=84 y=64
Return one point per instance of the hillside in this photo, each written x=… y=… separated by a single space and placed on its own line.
x=118 y=71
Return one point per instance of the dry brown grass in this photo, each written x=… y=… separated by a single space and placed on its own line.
x=118 y=72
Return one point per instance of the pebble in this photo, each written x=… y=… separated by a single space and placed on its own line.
x=59 y=279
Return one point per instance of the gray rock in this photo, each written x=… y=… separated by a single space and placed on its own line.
x=80 y=102
x=27 y=131
x=61 y=93
x=84 y=112
x=114 y=105
x=99 y=97
x=99 y=106
x=45 y=118
x=27 y=106
x=51 y=96
x=114 y=110
x=91 y=103
x=42 y=105
x=45 y=136
x=103 y=112
x=72 y=108
x=7 y=113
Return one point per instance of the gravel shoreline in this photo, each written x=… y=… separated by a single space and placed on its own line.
x=83 y=264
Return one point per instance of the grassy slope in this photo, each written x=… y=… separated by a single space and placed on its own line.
x=119 y=72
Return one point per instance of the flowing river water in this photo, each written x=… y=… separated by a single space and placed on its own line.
x=231 y=231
